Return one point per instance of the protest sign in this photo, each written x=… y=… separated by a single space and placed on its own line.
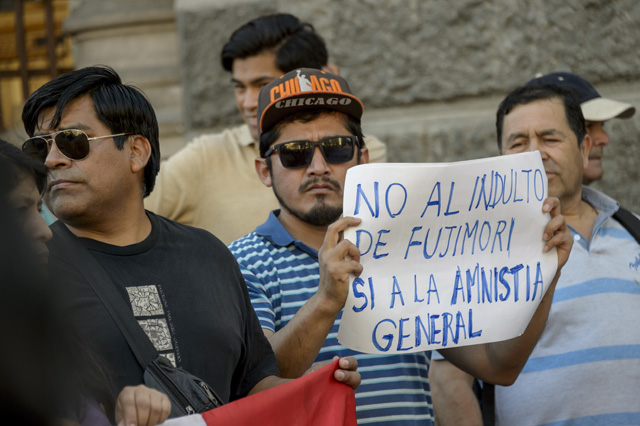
x=452 y=253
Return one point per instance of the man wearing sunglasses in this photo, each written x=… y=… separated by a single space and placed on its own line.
x=297 y=266
x=99 y=141
x=209 y=182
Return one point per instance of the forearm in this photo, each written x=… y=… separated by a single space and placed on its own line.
x=298 y=343
x=454 y=402
x=502 y=362
x=267 y=383
x=509 y=357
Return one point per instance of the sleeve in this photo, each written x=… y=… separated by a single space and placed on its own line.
x=377 y=149
x=435 y=356
x=261 y=299
x=176 y=193
x=259 y=361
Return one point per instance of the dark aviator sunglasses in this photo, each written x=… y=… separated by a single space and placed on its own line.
x=297 y=154
x=72 y=143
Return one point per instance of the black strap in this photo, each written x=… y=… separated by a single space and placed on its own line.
x=102 y=284
x=488 y=404
x=629 y=221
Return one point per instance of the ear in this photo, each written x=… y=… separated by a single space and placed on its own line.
x=332 y=68
x=585 y=149
x=263 y=171
x=140 y=152
x=364 y=155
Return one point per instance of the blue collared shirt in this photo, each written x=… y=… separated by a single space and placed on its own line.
x=282 y=273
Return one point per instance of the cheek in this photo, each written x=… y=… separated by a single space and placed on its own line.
x=239 y=96
x=35 y=224
x=287 y=181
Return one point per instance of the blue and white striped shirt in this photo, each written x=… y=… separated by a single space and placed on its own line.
x=282 y=274
x=585 y=369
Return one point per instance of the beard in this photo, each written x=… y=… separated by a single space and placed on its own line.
x=321 y=214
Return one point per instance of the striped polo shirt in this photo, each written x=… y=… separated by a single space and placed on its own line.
x=282 y=274
x=585 y=369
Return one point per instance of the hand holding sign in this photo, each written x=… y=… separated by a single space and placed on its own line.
x=556 y=233
x=339 y=259
x=452 y=253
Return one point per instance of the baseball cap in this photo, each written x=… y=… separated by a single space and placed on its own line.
x=594 y=107
x=305 y=88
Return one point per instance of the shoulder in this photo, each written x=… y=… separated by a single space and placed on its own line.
x=377 y=149
x=222 y=139
x=249 y=246
x=179 y=233
x=257 y=256
x=197 y=250
x=208 y=144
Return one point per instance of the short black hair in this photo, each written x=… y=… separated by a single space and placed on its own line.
x=121 y=107
x=295 y=43
x=527 y=94
x=352 y=124
x=15 y=164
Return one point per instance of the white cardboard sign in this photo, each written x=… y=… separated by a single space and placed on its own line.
x=452 y=253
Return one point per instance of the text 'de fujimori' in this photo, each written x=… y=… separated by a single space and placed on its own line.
x=452 y=253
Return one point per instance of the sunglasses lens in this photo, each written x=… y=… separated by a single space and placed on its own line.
x=296 y=154
x=36 y=148
x=338 y=150
x=74 y=144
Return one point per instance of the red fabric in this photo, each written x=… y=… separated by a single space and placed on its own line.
x=314 y=399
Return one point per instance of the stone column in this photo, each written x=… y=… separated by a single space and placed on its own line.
x=137 y=38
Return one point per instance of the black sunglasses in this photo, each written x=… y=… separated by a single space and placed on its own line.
x=297 y=154
x=72 y=143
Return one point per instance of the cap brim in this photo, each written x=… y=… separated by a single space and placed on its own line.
x=603 y=109
x=283 y=107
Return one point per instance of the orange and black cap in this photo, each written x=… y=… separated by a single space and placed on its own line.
x=305 y=88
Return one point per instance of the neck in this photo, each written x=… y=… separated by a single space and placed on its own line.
x=580 y=215
x=311 y=235
x=119 y=228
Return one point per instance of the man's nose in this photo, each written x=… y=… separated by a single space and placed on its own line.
x=600 y=138
x=536 y=145
x=251 y=98
x=318 y=165
x=42 y=232
x=55 y=159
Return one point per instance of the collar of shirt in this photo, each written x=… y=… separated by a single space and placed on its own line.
x=273 y=231
x=244 y=137
x=605 y=206
x=602 y=202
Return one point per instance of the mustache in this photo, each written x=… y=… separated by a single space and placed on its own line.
x=334 y=184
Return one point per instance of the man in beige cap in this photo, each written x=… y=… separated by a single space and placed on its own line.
x=596 y=111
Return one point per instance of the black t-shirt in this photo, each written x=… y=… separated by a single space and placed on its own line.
x=186 y=291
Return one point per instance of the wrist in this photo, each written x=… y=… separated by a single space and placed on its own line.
x=326 y=305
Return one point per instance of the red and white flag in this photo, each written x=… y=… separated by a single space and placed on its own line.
x=314 y=399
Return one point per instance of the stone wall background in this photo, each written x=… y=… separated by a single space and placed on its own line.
x=430 y=73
